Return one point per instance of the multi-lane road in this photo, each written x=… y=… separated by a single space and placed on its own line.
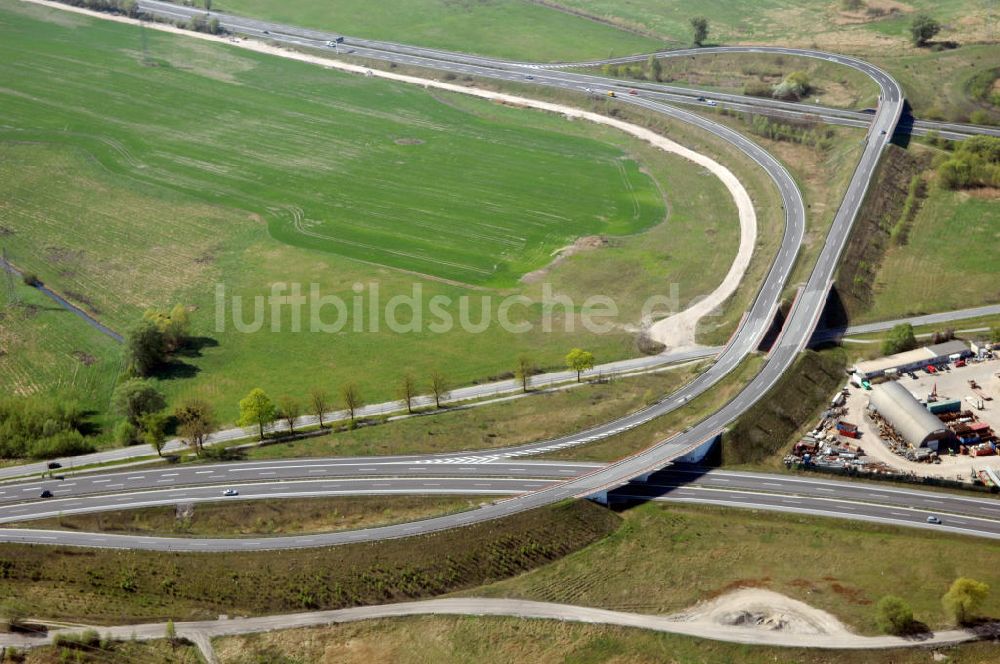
x=976 y=516
x=798 y=329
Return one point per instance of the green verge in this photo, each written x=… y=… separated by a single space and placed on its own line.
x=106 y=586
x=263 y=517
x=147 y=652
x=506 y=28
x=523 y=420
x=202 y=217
x=739 y=73
x=668 y=557
x=641 y=437
x=491 y=640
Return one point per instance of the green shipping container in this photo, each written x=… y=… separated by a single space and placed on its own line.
x=950 y=406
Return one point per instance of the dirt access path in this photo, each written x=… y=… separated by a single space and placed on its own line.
x=676 y=332
x=748 y=616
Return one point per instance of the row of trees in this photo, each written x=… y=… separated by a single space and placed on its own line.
x=962 y=603
x=145 y=418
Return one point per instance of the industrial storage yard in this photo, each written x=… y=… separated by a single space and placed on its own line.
x=940 y=424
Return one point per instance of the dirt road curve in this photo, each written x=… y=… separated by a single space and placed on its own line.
x=748 y=616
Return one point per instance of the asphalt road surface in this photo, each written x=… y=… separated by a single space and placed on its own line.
x=976 y=516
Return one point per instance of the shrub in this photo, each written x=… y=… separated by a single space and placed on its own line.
x=893 y=615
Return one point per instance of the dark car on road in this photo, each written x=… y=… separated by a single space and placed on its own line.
x=46 y=494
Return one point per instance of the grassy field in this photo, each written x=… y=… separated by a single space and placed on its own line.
x=666 y=558
x=833 y=84
x=109 y=587
x=641 y=437
x=538 y=417
x=949 y=260
x=45 y=350
x=265 y=517
x=512 y=29
x=166 y=138
x=147 y=652
x=488 y=640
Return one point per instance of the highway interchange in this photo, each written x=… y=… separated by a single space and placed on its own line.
x=539 y=484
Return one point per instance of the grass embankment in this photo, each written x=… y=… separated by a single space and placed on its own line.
x=757 y=73
x=666 y=558
x=507 y=28
x=790 y=407
x=536 y=417
x=48 y=351
x=110 y=586
x=206 y=192
x=641 y=437
x=822 y=170
x=147 y=652
x=489 y=640
x=918 y=248
x=264 y=517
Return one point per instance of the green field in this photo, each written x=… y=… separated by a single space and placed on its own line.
x=161 y=196
x=46 y=350
x=513 y=29
x=668 y=557
x=949 y=260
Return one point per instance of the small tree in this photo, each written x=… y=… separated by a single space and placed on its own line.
x=900 y=339
x=893 y=615
x=289 y=410
x=654 y=68
x=579 y=360
x=208 y=5
x=923 y=28
x=136 y=398
x=256 y=409
x=196 y=420
x=146 y=348
x=152 y=430
x=13 y=612
x=319 y=400
x=350 y=394
x=699 y=30
x=439 y=387
x=171 y=631
x=964 y=598
x=407 y=391
x=525 y=368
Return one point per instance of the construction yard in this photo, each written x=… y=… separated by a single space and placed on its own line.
x=964 y=398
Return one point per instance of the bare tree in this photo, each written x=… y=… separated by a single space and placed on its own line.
x=320 y=401
x=408 y=390
x=439 y=387
x=350 y=394
x=289 y=410
x=196 y=421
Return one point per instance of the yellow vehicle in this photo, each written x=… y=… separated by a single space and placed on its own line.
x=611 y=93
